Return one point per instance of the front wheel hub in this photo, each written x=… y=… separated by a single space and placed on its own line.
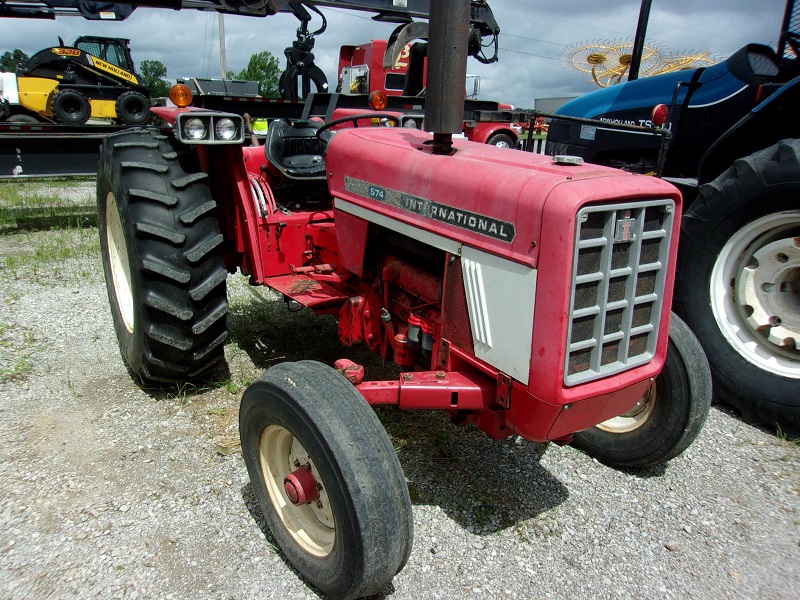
x=301 y=487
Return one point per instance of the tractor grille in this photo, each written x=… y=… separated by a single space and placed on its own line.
x=619 y=270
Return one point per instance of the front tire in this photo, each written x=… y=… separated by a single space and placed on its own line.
x=669 y=416
x=348 y=530
x=738 y=283
x=160 y=245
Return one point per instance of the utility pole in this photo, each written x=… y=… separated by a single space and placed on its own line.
x=223 y=67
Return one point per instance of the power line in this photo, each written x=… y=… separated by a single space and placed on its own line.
x=522 y=37
x=529 y=54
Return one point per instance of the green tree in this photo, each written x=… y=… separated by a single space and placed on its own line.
x=10 y=60
x=264 y=68
x=153 y=72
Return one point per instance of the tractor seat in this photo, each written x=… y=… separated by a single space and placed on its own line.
x=294 y=150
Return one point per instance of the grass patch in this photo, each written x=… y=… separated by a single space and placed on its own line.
x=16 y=349
x=46 y=204
x=61 y=254
x=786 y=439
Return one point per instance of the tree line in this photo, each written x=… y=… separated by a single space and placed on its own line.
x=262 y=67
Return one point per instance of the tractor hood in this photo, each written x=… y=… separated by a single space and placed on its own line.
x=492 y=199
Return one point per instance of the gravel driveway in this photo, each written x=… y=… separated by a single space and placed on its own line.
x=110 y=490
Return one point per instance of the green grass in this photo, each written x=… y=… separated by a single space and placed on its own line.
x=16 y=348
x=44 y=204
x=785 y=439
x=58 y=255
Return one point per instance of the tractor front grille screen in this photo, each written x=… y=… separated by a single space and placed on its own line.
x=619 y=272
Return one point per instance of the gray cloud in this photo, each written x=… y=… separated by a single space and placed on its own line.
x=534 y=37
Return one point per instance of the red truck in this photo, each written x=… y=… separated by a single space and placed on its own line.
x=361 y=72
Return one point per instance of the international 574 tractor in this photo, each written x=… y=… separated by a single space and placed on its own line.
x=734 y=149
x=525 y=294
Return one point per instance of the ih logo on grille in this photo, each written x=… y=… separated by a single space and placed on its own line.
x=625 y=231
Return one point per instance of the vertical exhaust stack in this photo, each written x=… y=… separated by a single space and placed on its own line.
x=447 y=71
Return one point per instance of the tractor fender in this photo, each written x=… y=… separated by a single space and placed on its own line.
x=765 y=125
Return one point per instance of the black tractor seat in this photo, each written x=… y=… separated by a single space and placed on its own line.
x=294 y=150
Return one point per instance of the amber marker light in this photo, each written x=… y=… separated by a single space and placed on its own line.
x=180 y=95
x=659 y=114
x=378 y=100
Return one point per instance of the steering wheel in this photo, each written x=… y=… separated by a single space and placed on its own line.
x=355 y=119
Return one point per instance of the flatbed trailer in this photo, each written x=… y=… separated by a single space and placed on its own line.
x=52 y=150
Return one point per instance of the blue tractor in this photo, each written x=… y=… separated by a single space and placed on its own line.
x=730 y=139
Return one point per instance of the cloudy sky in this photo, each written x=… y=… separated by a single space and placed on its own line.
x=536 y=36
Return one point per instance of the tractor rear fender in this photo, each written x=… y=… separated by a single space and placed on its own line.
x=769 y=122
x=237 y=208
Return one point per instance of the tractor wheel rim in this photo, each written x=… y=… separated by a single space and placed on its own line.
x=310 y=525
x=502 y=145
x=755 y=293
x=635 y=417
x=118 y=261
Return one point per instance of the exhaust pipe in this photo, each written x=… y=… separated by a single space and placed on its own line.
x=447 y=51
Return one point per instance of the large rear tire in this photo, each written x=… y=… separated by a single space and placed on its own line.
x=738 y=283
x=160 y=245
x=70 y=107
x=327 y=479
x=669 y=416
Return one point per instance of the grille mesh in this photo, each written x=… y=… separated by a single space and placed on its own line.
x=619 y=271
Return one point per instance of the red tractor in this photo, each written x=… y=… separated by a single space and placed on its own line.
x=529 y=295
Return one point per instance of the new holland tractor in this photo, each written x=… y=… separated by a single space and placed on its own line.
x=531 y=298
x=93 y=78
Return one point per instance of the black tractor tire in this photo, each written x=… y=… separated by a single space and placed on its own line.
x=358 y=535
x=738 y=283
x=160 y=245
x=501 y=140
x=667 y=419
x=133 y=108
x=70 y=107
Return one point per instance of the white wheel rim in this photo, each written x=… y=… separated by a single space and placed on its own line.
x=118 y=260
x=502 y=145
x=635 y=417
x=755 y=293
x=311 y=525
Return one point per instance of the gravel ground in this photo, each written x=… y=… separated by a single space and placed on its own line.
x=111 y=490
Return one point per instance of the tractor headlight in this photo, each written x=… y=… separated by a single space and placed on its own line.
x=194 y=129
x=225 y=129
x=207 y=127
x=410 y=123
